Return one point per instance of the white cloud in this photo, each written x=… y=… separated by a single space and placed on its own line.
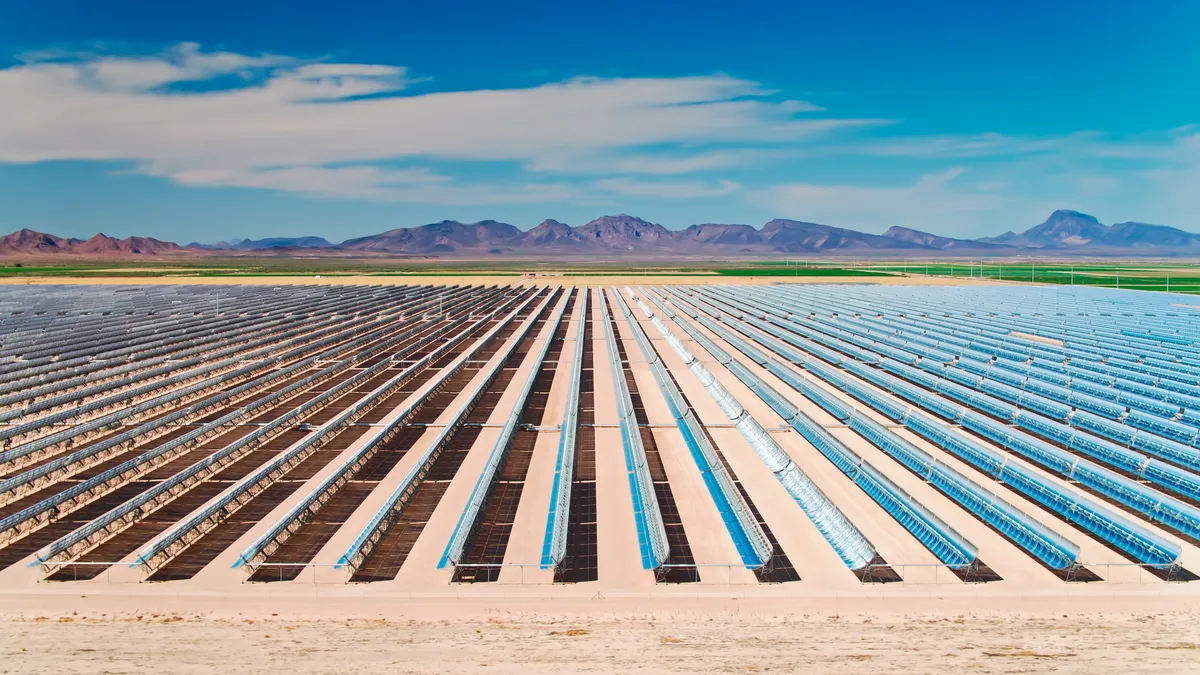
x=932 y=202
x=287 y=121
x=184 y=62
x=673 y=163
x=266 y=121
x=987 y=144
x=367 y=182
x=372 y=183
x=687 y=189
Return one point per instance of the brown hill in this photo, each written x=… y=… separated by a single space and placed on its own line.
x=445 y=237
x=626 y=232
x=102 y=244
x=553 y=234
x=796 y=236
x=28 y=242
x=713 y=234
x=939 y=242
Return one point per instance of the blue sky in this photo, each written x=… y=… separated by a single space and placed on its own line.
x=208 y=121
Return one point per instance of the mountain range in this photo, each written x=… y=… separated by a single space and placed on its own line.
x=1063 y=233
x=29 y=242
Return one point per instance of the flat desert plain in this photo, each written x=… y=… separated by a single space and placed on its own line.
x=705 y=638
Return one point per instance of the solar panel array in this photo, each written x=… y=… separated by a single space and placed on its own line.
x=848 y=433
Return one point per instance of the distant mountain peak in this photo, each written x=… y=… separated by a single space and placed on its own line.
x=1069 y=213
x=623 y=231
x=1066 y=229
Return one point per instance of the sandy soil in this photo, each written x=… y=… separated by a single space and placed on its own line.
x=687 y=641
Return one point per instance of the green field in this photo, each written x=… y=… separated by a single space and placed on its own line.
x=1173 y=277
x=1176 y=278
x=802 y=272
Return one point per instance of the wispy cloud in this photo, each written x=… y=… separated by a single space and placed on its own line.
x=282 y=122
x=672 y=162
x=185 y=62
x=372 y=183
x=363 y=182
x=676 y=189
x=927 y=201
x=988 y=144
x=380 y=133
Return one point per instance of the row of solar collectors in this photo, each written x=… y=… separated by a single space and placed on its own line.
x=207 y=357
x=219 y=379
x=204 y=300
x=1098 y=362
x=348 y=366
x=1165 y=475
x=100 y=525
x=1091 y=360
x=259 y=355
x=44 y=472
x=58 y=351
x=1161 y=432
x=1168 y=339
x=1180 y=516
x=437 y=375
x=66 y=328
x=88 y=537
x=950 y=547
x=971 y=364
x=941 y=539
x=191 y=355
x=60 y=371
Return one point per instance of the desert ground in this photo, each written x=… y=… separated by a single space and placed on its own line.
x=138 y=635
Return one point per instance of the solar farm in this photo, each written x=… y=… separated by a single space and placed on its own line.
x=784 y=439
